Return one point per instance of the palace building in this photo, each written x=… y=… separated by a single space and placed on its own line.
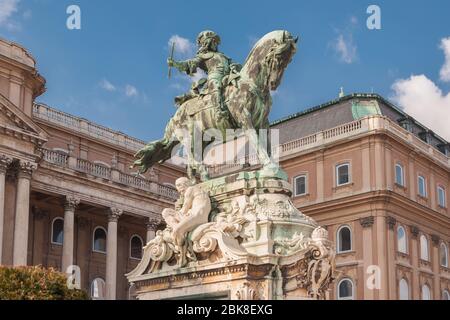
x=376 y=178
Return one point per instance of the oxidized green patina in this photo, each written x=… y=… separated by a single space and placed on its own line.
x=230 y=98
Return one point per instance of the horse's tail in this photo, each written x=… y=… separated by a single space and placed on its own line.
x=154 y=152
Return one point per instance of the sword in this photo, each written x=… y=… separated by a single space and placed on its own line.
x=171 y=57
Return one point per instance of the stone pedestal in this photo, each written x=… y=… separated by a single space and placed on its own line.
x=256 y=245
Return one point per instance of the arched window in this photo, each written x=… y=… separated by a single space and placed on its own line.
x=98 y=289
x=401 y=240
x=58 y=231
x=403 y=289
x=136 y=245
x=99 y=240
x=345 y=290
x=426 y=292
x=441 y=197
x=300 y=185
x=399 y=177
x=443 y=255
x=422 y=186
x=424 y=248
x=342 y=174
x=344 y=239
x=445 y=295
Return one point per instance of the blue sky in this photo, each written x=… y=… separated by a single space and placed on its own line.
x=113 y=71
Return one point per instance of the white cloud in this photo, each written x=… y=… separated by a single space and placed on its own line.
x=345 y=48
x=183 y=46
x=7 y=9
x=106 y=85
x=130 y=91
x=445 y=70
x=423 y=100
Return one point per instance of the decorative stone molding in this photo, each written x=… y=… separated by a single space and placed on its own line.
x=435 y=239
x=391 y=222
x=247 y=292
x=414 y=231
x=71 y=203
x=4 y=163
x=114 y=214
x=26 y=169
x=367 y=222
x=152 y=224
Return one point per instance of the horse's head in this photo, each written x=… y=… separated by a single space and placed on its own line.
x=269 y=58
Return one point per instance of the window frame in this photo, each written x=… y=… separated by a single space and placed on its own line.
x=402 y=175
x=420 y=177
x=338 y=241
x=425 y=285
x=443 y=245
x=440 y=189
x=93 y=239
x=445 y=292
x=352 y=297
x=422 y=236
x=400 y=288
x=405 y=239
x=53 y=230
x=142 y=243
x=91 y=289
x=337 y=167
x=303 y=175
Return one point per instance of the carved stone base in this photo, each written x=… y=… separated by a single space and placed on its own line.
x=256 y=245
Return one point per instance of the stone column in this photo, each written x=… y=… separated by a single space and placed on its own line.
x=436 y=266
x=20 y=251
x=4 y=163
x=414 y=249
x=391 y=223
x=367 y=238
x=111 y=253
x=152 y=225
x=69 y=232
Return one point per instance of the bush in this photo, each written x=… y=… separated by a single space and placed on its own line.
x=36 y=283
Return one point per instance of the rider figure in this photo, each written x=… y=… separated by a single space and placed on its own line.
x=214 y=63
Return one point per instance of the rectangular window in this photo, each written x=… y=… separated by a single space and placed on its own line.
x=342 y=174
x=422 y=186
x=300 y=185
x=399 y=179
x=441 y=196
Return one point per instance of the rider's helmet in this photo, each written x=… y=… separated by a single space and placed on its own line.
x=205 y=38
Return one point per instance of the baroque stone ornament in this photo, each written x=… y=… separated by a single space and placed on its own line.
x=114 y=214
x=237 y=236
x=71 y=203
x=4 y=163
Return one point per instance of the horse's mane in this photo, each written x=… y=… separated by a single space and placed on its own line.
x=274 y=35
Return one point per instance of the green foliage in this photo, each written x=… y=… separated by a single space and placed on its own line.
x=36 y=283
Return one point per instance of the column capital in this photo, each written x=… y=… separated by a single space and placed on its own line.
x=435 y=239
x=414 y=231
x=152 y=224
x=367 y=222
x=391 y=222
x=71 y=203
x=5 y=161
x=25 y=169
x=114 y=214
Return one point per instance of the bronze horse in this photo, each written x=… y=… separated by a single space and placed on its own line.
x=249 y=103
